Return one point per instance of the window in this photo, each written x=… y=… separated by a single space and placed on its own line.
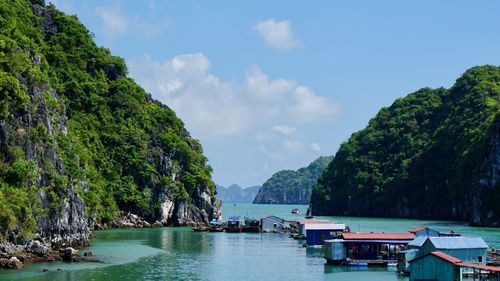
x=480 y=259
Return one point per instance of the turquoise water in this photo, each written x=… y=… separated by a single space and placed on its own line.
x=181 y=254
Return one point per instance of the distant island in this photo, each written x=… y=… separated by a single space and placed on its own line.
x=432 y=154
x=292 y=187
x=235 y=193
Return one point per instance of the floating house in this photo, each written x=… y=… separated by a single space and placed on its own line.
x=316 y=232
x=373 y=248
x=437 y=265
x=272 y=223
x=468 y=249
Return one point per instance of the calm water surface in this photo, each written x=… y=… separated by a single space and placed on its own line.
x=181 y=254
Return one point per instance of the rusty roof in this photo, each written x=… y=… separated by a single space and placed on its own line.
x=445 y=257
x=479 y=266
x=314 y=222
x=378 y=236
x=417 y=229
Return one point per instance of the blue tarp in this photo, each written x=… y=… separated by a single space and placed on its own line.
x=235 y=218
x=215 y=223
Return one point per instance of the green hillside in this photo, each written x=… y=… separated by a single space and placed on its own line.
x=76 y=131
x=292 y=187
x=432 y=154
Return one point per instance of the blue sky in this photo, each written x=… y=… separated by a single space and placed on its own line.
x=272 y=85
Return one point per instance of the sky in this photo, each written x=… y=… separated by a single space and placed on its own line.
x=272 y=85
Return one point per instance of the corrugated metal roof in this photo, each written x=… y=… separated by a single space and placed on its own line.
x=440 y=255
x=458 y=242
x=418 y=241
x=378 y=236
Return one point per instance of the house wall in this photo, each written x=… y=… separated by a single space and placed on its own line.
x=318 y=237
x=434 y=268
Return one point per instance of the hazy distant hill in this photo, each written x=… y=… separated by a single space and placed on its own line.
x=235 y=193
x=292 y=187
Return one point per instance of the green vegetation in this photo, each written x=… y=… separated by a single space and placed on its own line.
x=116 y=137
x=431 y=154
x=292 y=187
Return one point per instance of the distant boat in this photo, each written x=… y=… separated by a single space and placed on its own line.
x=296 y=211
x=309 y=214
x=233 y=224
x=251 y=225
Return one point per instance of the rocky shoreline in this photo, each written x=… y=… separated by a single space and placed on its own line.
x=14 y=255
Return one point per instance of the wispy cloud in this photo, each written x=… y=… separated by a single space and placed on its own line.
x=277 y=34
x=114 y=23
x=284 y=129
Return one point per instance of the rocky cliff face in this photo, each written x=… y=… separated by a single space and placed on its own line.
x=292 y=187
x=80 y=143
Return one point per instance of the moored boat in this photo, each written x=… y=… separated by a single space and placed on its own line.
x=200 y=228
x=251 y=225
x=296 y=211
x=216 y=226
x=233 y=224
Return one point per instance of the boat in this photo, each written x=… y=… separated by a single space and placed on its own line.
x=251 y=225
x=233 y=224
x=200 y=228
x=309 y=213
x=296 y=211
x=216 y=226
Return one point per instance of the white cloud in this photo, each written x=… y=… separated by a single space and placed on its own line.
x=284 y=129
x=113 y=22
x=277 y=34
x=315 y=146
x=212 y=107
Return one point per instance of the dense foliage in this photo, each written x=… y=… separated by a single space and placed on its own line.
x=431 y=154
x=115 y=132
x=292 y=187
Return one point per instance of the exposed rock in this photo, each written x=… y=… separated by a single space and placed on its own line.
x=12 y=263
x=88 y=254
x=70 y=254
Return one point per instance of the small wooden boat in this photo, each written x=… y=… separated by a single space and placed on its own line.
x=233 y=224
x=200 y=228
x=216 y=226
x=296 y=211
x=251 y=225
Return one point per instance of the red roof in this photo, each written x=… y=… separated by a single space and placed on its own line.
x=315 y=222
x=445 y=257
x=416 y=229
x=378 y=236
x=478 y=266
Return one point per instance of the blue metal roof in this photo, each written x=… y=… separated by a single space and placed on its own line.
x=458 y=242
x=235 y=218
x=418 y=241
